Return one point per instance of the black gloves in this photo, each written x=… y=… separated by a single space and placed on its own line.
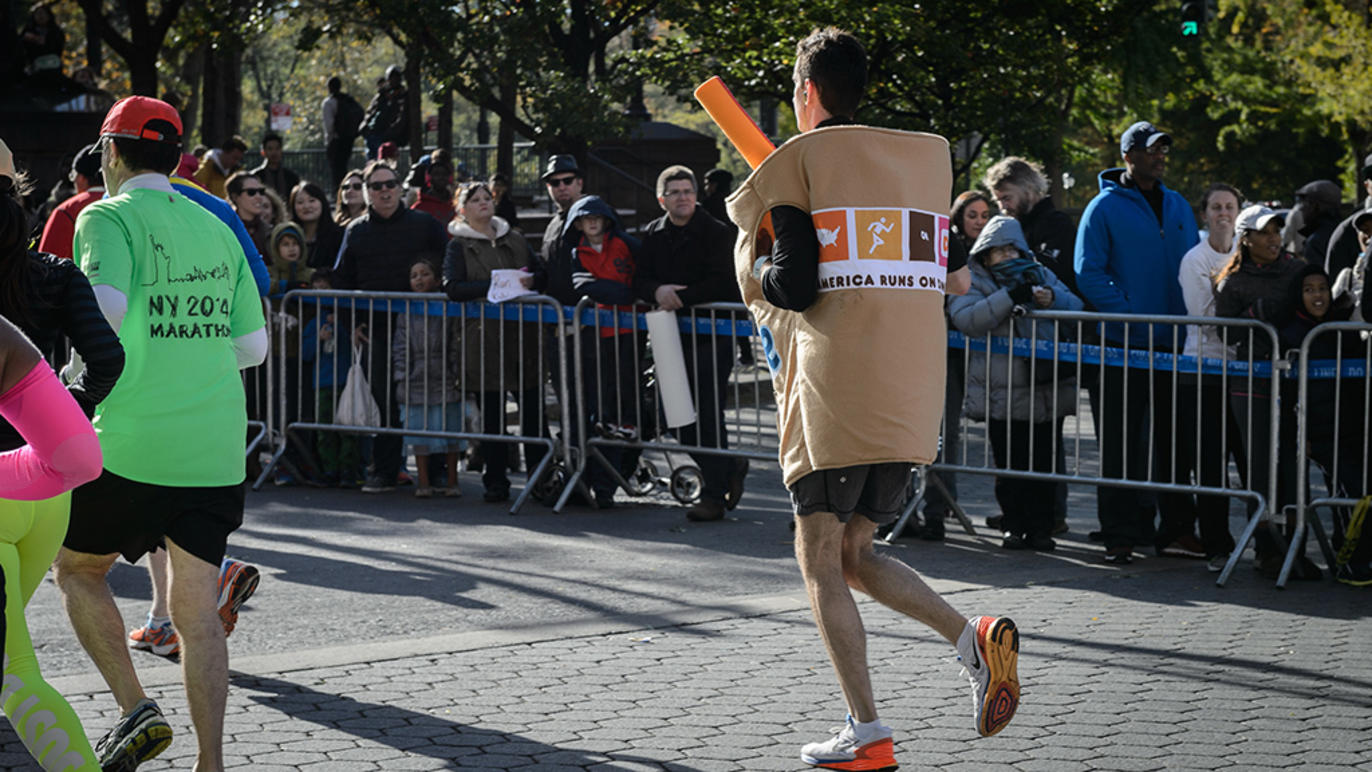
x=1022 y=294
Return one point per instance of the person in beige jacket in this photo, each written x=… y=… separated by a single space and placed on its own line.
x=843 y=261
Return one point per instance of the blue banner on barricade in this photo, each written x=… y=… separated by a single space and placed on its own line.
x=1092 y=354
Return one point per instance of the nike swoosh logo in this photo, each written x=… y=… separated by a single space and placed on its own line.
x=976 y=655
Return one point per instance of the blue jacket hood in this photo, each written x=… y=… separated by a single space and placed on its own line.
x=591 y=205
x=1001 y=230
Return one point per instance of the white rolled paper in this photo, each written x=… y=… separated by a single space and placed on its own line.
x=669 y=365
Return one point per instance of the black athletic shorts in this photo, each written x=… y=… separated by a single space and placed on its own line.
x=875 y=491
x=115 y=514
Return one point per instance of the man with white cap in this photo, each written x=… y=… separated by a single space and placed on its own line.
x=171 y=280
x=1130 y=243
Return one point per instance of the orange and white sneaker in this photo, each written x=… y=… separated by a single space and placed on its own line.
x=237 y=583
x=159 y=639
x=846 y=750
x=989 y=650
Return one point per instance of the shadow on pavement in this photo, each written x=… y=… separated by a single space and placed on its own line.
x=421 y=734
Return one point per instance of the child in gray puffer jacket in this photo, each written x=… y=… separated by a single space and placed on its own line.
x=424 y=353
x=1021 y=399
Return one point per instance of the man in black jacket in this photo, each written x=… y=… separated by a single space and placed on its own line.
x=1021 y=191
x=1318 y=202
x=565 y=182
x=687 y=259
x=1344 y=246
x=378 y=249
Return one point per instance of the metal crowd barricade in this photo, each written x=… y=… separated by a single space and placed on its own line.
x=619 y=402
x=1338 y=441
x=523 y=335
x=257 y=383
x=1144 y=355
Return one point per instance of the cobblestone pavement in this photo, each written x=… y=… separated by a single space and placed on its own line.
x=1151 y=668
x=392 y=634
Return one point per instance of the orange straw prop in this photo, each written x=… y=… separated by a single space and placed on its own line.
x=737 y=124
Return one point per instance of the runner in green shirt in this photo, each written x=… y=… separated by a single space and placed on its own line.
x=170 y=278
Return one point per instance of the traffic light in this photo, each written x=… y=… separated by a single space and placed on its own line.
x=1193 y=14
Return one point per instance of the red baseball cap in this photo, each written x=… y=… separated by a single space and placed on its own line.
x=140 y=117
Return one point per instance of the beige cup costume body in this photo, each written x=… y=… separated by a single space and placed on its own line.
x=859 y=375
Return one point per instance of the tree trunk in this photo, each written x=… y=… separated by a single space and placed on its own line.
x=445 y=120
x=223 y=95
x=413 y=55
x=143 y=73
x=95 y=54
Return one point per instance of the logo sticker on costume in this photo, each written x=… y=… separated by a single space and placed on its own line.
x=769 y=350
x=833 y=230
x=881 y=248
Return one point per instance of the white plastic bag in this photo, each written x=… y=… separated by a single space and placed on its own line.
x=356 y=406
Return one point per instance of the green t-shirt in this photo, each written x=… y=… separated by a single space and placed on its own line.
x=178 y=415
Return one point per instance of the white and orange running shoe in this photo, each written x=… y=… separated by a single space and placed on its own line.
x=845 y=750
x=989 y=651
x=237 y=582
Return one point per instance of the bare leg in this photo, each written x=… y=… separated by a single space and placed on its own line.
x=452 y=469
x=421 y=461
x=95 y=618
x=157 y=568
x=894 y=584
x=819 y=543
x=204 y=656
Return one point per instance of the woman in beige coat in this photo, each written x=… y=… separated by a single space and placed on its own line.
x=498 y=357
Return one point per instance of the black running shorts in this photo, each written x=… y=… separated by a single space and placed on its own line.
x=115 y=514
x=875 y=491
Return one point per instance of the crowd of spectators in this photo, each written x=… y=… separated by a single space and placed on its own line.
x=1136 y=250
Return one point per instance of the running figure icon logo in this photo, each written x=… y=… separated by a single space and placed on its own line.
x=876 y=229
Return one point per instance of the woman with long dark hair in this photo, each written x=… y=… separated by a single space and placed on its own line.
x=1254 y=284
x=350 y=203
x=308 y=208
x=45 y=297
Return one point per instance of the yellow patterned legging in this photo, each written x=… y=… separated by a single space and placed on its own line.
x=30 y=534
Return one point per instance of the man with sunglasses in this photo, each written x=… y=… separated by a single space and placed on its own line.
x=564 y=181
x=378 y=249
x=1130 y=242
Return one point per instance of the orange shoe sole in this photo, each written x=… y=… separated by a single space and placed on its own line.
x=872 y=757
x=998 y=641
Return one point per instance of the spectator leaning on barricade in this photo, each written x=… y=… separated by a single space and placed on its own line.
x=90 y=187
x=1016 y=396
x=1254 y=285
x=425 y=358
x=1021 y=190
x=273 y=173
x=321 y=343
x=290 y=272
x=602 y=258
x=1335 y=409
x=181 y=381
x=218 y=164
x=323 y=236
x=1344 y=244
x=378 y=249
x=497 y=357
x=687 y=259
x=1129 y=248
x=351 y=203
x=1215 y=425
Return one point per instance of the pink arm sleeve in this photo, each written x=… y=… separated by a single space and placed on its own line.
x=62 y=450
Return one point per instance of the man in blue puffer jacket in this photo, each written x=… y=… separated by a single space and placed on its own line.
x=1129 y=248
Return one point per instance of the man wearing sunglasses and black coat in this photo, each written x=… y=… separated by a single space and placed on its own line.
x=378 y=249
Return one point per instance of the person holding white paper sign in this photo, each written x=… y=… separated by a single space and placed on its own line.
x=687 y=259
x=482 y=244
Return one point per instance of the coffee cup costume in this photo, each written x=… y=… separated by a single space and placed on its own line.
x=859 y=374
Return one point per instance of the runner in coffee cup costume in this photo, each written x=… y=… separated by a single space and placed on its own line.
x=847 y=287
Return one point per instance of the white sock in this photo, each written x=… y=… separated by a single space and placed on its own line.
x=156 y=622
x=868 y=729
x=968 y=640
